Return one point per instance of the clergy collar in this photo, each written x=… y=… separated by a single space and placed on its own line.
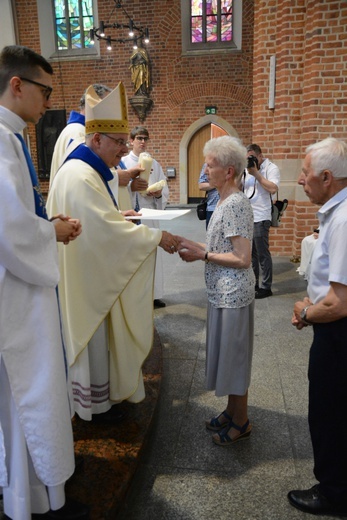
x=87 y=155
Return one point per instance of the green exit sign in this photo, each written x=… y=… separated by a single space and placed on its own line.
x=210 y=110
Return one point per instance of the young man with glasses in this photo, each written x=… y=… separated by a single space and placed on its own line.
x=46 y=90
x=139 y=138
x=36 y=443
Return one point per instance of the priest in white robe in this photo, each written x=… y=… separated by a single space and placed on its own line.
x=36 y=444
x=106 y=287
x=139 y=137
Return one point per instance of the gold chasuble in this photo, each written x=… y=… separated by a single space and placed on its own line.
x=106 y=274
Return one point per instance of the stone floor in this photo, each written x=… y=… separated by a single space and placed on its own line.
x=159 y=463
x=182 y=475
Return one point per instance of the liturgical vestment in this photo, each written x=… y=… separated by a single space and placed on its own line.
x=106 y=281
x=33 y=384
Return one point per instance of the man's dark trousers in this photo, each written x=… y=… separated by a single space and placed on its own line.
x=328 y=408
x=261 y=254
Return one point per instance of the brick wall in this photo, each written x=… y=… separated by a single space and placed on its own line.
x=309 y=40
x=181 y=86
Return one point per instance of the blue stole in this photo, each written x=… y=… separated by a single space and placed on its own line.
x=76 y=117
x=40 y=208
x=85 y=154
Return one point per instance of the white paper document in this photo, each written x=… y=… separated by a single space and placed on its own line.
x=159 y=214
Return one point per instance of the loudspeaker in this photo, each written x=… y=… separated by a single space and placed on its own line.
x=47 y=132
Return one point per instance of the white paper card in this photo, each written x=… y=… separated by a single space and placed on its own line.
x=159 y=214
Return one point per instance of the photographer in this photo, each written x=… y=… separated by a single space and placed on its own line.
x=260 y=181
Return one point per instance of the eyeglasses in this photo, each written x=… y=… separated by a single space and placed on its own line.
x=142 y=138
x=47 y=90
x=120 y=142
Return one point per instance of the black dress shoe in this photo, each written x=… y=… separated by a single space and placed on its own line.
x=114 y=415
x=312 y=501
x=159 y=304
x=262 y=293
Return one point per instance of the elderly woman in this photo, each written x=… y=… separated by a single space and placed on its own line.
x=230 y=289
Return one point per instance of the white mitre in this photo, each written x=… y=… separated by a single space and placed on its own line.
x=108 y=115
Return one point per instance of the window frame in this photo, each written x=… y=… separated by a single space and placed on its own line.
x=48 y=37
x=189 y=48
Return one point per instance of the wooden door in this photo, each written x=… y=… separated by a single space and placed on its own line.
x=196 y=158
x=217 y=131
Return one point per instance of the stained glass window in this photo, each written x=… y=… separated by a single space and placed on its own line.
x=211 y=21
x=73 y=21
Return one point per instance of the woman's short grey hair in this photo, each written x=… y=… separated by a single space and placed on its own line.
x=227 y=151
x=329 y=154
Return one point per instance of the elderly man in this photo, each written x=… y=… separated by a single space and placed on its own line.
x=106 y=286
x=324 y=179
x=36 y=444
x=75 y=132
x=75 y=129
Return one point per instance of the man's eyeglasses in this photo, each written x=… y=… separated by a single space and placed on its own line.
x=142 y=138
x=47 y=90
x=120 y=142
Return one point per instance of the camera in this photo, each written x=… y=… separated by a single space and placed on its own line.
x=252 y=161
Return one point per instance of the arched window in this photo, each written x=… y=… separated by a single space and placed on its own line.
x=209 y=25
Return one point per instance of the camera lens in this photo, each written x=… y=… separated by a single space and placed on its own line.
x=252 y=161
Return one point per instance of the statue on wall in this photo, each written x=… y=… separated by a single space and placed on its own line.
x=141 y=80
x=140 y=73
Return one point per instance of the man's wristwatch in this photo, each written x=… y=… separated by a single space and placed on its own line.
x=303 y=314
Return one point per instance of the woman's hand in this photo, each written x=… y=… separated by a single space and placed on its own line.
x=191 y=251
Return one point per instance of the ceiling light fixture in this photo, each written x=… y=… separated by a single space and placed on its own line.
x=131 y=32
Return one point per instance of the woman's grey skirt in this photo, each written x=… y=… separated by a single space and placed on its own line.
x=229 y=349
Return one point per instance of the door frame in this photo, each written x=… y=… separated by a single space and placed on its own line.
x=183 y=148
